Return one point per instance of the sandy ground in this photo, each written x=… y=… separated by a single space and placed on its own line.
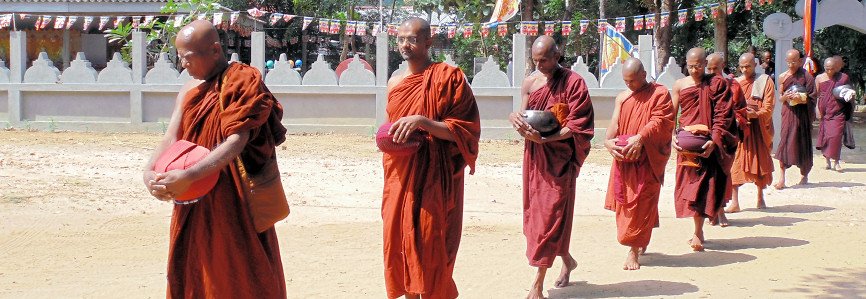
x=75 y=221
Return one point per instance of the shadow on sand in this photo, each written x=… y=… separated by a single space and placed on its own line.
x=842 y=283
x=797 y=209
x=765 y=221
x=696 y=259
x=826 y=185
x=641 y=288
x=753 y=243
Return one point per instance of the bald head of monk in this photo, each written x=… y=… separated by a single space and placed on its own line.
x=696 y=61
x=716 y=64
x=832 y=65
x=413 y=40
x=545 y=54
x=746 y=65
x=794 y=60
x=199 y=49
x=634 y=74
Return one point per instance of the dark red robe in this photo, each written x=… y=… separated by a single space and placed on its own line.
x=795 y=143
x=701 y=191
x=214 y=250
x=833 y=125
x=422 y=200
x=550 y=170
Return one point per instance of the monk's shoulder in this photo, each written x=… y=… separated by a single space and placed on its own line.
x=573 y=78
x=659 y=89
x=821 y=77
x=240 y=72
x=452 y=73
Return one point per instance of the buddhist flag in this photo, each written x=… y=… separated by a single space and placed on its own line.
x=103 y=20
x=699 y=13
x=614 y=47
x=217 y=19
x=584 y=24
x=275 y=17
x=666 y=19
x=136 y=21
x=809 y=13
x=502 y=29
x=335 y=26
x=392 y=29
x=748 y=4
x=288 y=18
x=255 y=12
x=434 y=30
x=566 y=28
x=60 y=22
x=620 y=24
x=376 y=29
x=45 y=21
x=361 y=28
x=682 y=16
x=467 y=30
x=714 y=10
x=730 y=6
x=87 y=21
x=324 y=26
x=504 y=10
x=548 y=28
x=485 y=30
x=307 y=21
x=638 y=22
x=451 y=31
x=5 y=21
x=350 y=27
x=119 y=21
x=233 y=18
x=650 y=21
x=602 y=26
x=71 y=21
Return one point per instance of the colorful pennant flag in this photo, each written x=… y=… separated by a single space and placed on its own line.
x=71 y=21
x=666 y=19
x=274 y=18
x=638 y=22
x=307 y=21
x=748 y=4
x=602 y=26
x=699 y=13
x=376 y=29
x=485 y=31
x=103 y=20
x=288 y=18
x=533 y=28
x=467 y=31
x=324 y=26
x=650 y=21
x=136 y=21
x=730 y=6
x=217 y=19
x=350 y=27
x=682 y=16
x=392 y=29
x=233 y=18
x=335 y=26
x=502 y=29
x=584 y=24
x=45 y=21
x=119 y=21
x=60 y=22
x=255 y=12
x=714 y=10
x=548 y=28
x=87 y=21
x=566 y=28
x=361 y=28
x=434 y=30
x=202 y=16
x=5 y=21
x=451 y=31
x=620 y=24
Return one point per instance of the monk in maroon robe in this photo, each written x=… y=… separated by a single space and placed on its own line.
x=422 y=201
x=639 y=139
x=715 y=66
x=214 y=248
x=834 y=114
x=552 y=163
x=753 y=162
x=706 y=109
x=798 y=113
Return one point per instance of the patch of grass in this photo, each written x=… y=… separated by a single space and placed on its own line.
x=14 y=198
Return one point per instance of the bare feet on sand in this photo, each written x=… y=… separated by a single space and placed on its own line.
x=631 y=259
x=761 y=204
x=838 y=167
x=569 y=265
x=643 y=250
x=535 y=293
x=804 y=181
x=733 y=208
x=779 y=185
x=697 y=243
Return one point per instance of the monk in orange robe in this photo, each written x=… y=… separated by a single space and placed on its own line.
x=214 y=248
x=752 y=161
x=798 y=113
x=639 y=140
x=834 y=114
x=551 y=163
x=422 y=202
x=706 y=109
x=715 y=66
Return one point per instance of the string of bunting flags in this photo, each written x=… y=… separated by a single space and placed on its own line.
x=359 y=28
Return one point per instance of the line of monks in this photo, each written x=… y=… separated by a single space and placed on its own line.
x=215 y=250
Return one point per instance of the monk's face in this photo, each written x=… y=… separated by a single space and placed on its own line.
x=715 y=67
x=546 y=61
x=696 y=67
x=831 y=67
x=634 y=80
x=198 y=59
x=747 y=67
x=793 y=61
x=767 y=56
x=412 y=45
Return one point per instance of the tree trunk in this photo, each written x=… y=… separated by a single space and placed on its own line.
x=569 y=12
x=663 y=36
x=527 y=16
x=720 y=37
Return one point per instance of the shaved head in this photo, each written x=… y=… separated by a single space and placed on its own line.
x=633 y=74
x=794 y=60
x=420 y=26
x=414 y=41
x=696 y=60
x=544 y=45
x=545 y=54
x=746 y=65
x=832 y=65
x=716 y=63
x=199 y=49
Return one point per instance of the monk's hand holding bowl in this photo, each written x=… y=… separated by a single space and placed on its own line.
x=405 y=126
x=149 y=177
x=613 y=149
x=172 y=182
x=518 y=122
x=708 y=149
x=675 y=144
x=533 y=135
x=632 y=149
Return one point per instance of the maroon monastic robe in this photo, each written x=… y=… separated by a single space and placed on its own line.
x=550 y=170
x=795 y=143
x=701 y=191
x=833 y=125
x=214 y=249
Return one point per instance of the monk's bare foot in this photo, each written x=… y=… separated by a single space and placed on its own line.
x=631 y=259
x=565 y=275
x=761 y=204
x=779 y=185
x=696 y=243
x=733 y=209
x=643 y=250
x=804 y=181
x=412 y=296
x=723 y=220
x=838 y=167
x=535 y=293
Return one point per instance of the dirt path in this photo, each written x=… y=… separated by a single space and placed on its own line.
x=75 y=222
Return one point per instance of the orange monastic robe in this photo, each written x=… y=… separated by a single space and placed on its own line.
x=422 y=202
x=214 y=250
x=753 y=160
x=634 y=186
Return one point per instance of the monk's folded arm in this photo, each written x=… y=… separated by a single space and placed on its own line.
x=660 y=121
x=438 y=129
x=220 y=157
x=722 y=110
